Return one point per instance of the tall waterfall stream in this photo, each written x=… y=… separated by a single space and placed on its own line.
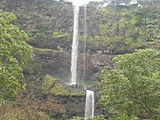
x=89 y=107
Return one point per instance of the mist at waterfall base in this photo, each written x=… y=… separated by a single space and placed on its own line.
x=89 y=109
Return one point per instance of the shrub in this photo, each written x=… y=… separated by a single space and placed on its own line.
x=59 y=89
x=48 y=83
x=133 y=86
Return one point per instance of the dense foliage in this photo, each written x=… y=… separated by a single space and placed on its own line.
x=125 y=28
x=121 y=116
x=14 y=53
x=133 y=86
x=130 y=88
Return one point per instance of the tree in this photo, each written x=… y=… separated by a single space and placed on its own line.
x=14 y=53
x=97 y=118
x=122 y=29
x=118 y=117
x=76 y=118
x=118 y=2
x=133 y=85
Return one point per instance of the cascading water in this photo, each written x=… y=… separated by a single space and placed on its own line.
x=74 y=54
x=89 y=109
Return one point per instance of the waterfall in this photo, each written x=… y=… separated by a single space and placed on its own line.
x=89 y=109
x=74 y=54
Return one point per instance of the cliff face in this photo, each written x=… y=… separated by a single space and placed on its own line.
x=58 y=64
x=49 y=25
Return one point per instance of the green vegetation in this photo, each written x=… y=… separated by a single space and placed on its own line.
x=51 y=85
x=59 y=34
x=76 y=118
x=133 y=85
x=44 y=50
x=101 y=117
x=48 y=82
x=12 y=111
x=123 y=117
x=123 y=29
x=117 y=117
x=129 y=87
x=97 y=118
x=59 y=89
x=34 y=67
x=89 y=83
x=14 y=53
x=36 y=32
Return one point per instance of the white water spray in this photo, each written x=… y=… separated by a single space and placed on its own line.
x=74 y=54
x=74 y=57
x=89 y=110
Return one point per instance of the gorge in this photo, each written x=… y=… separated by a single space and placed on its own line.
x=61 y=60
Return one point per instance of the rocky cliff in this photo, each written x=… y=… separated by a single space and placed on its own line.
x=49 y=25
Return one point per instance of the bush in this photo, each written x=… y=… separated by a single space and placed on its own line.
x=47 y=83
x=59 y=89
x=76 y=118
x=97 y=118
x=123 y=117
x=133 y=86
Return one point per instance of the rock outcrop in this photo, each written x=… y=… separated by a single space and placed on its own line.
x=58 y=64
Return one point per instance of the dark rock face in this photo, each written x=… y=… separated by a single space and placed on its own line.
x=58 y=64
x=70 y=105
x=49 y=25
x=41 y=18
x=47 y=41
x=74 y=105
x=55 y=63
x=94 y=64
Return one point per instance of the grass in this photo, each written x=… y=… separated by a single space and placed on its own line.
x=88 y=82
x=45 y=50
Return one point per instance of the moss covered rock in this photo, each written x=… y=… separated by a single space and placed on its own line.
x=48 y=82
x=59 y=89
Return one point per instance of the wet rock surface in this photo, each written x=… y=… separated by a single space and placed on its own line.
x=49 y=24
x=58 y=64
